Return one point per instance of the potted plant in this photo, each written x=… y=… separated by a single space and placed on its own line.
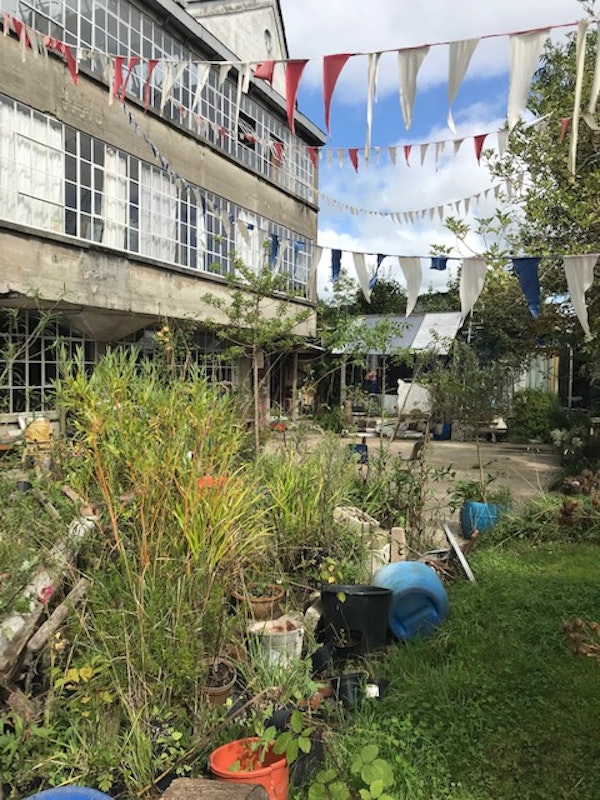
x=219 y=677
x=480 y=506
x=259 y=593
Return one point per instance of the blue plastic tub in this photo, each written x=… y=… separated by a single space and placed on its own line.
x=69 y=793
x=477 y=516
x=419 y=600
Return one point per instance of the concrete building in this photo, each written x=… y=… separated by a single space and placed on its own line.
x=116 y=216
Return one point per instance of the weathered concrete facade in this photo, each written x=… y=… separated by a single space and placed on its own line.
x=107 y=293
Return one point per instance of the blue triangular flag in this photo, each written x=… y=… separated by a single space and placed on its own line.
x=336 y=264
x=527 y=273
x=439 y=262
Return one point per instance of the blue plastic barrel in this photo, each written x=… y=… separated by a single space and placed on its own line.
x=419 y=600
x=477 y=516
x=69 y=793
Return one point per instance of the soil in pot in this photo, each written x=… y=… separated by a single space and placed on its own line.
x=219 y=678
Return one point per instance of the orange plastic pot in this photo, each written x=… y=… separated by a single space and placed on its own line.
x=272 y=773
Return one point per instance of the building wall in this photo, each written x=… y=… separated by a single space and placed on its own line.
x=251 y=28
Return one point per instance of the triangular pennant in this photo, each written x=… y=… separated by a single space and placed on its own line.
x=293 y=73
x=439 y=149
x=372 y=70
x=244 y=232
x=525 y=51
x=336 y=264
x=332 y=66
x=472 y=278
x=407 y=149
x=582 y=27
x=423 y=150
x=565 y=122
x=392 y=151
x=312 y=279
x=460 y=54
x=595 y=91
x=439 y=262
x=152 y=64
x=409 y=63
x=360 y=267
x=478 y=143
x=202 y=71
x=502 y=141
x=411 y=267
x=457 y=144
x=312 y=154
x=579 y=271
x=265 y=70
x=527 y=271
x=353 y=154
x=223 y=73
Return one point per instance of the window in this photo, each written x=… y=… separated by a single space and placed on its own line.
x=31 y=167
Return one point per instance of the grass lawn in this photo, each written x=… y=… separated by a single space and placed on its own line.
x=496 y=705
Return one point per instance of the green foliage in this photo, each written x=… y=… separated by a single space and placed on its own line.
x=534 y=415
x=371 y=774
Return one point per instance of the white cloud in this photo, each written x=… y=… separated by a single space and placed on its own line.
x=315 y=28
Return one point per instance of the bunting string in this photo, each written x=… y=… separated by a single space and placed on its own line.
x=118 y=71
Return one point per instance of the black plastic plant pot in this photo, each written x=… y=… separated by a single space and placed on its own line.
x=356 y=607
x=349 y=688
x=322 y=659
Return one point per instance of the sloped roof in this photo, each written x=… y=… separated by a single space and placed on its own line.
x=434 y=331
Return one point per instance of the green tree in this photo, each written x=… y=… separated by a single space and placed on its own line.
x=256 y=320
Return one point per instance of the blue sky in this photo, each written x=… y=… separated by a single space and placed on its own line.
x=318 y=27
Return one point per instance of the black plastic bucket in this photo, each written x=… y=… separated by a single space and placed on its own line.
x=355 y=607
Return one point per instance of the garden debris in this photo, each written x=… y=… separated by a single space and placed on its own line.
x=17 y=628
x=444 y=561
x=584 y=637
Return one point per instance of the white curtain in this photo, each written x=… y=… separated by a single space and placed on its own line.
x=8 y=175
x=248 y=247
x=31 y=169
x=158 y=214
x=115 y=199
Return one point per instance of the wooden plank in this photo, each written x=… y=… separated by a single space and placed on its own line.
x=205 y=789
x=459 y=553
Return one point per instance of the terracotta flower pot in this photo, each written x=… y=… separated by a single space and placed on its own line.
x=261 y=606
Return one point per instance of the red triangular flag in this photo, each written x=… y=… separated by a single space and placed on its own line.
x=407 y=148
x=478 y=142
x=118 y=76
x=265 y=71
x=312 y=154
x=131 y=65
x=152 y=63
x=565 y=122
x=278 y=150
x=332 y=66
x=353 y=154
x=293 y=73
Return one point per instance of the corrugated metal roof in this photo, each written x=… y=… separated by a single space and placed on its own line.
x=435 y=331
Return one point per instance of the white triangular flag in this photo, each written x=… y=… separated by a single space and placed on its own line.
x=439 y=149
x=411 y=267
x=525 y=51
x=244 y=232
x=591 y=109
x=472 y=278
x=202 y=71
x=362 y=273
x=582 y=27
x=409 y=63
x=372 y=70
x=502 y=141
x=423 y=149
x=224 y=217
x=223 y=73
x=312 y=280
x=392 y=152
x=340 y=155
x=457 y=144
x=459 y=57
x=172 y=73
x=329 y=156
x=283 y=247
x=440 y=211
x=579 y=271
